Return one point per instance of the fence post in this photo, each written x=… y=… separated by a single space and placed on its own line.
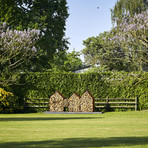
x=107 y=104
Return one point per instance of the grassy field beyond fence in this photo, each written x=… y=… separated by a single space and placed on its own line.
x=114 y=129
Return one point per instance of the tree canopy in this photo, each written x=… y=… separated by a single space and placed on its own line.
x=91 y=51
x=16 y=48
x=66 y=62
x=131 y=36
x=49 y=16
x=125 y=47
x=98 y=53
x=124 y=8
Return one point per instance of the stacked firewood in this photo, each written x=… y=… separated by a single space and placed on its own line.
x=74 y=102
x=65 y=102
x=56 y=102
x=87 y=102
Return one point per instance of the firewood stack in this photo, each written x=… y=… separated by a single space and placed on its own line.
x=86 y=102
x=65 y=104
x=56 y=102
x=74 y=102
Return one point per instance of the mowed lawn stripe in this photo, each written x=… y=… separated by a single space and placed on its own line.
x=114 y=129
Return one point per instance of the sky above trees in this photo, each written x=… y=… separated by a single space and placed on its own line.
x=86 y=20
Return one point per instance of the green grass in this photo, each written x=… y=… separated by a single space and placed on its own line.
x=116 y=129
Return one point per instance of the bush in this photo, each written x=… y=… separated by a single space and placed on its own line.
x=8 y=102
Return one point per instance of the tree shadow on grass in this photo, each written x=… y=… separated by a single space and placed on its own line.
x=81 y=142
x=46 y=118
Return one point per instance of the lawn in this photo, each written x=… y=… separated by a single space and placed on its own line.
x=114 y=129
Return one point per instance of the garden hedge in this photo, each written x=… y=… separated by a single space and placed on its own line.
x=101 y=85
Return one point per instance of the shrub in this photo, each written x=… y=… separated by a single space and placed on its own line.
x=8 y=102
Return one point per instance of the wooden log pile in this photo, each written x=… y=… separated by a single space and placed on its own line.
x=86 y=102
x=56 y=102
x=65 y=103
x=74 y=103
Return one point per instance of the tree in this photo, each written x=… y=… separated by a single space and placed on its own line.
x=91 y=51
x=16 y=48
x=131 y=35
x=73 y=61
x=127 y=8
x=97 y=52
x=125 y=46
x=70 y=62
x=49 y=16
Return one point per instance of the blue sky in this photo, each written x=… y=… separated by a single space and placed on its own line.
x=85 y=20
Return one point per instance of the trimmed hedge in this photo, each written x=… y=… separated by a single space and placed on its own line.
x=101 y=85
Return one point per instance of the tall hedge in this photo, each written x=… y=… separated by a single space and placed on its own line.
x=101 y=85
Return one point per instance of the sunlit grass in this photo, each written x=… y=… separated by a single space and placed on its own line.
x=116 y=129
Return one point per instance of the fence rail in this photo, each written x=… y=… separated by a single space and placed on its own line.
x=99 y=103
x=36 y=102
x=116 y=103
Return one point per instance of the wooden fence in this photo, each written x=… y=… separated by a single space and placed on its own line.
x=36 y=103
x=116 y=103
x=99 y=103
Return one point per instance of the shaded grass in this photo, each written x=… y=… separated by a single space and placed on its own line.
x=83 y=142
x=117 y=129
x=44 y=119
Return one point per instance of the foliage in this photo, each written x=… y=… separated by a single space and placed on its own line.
x=49 y=16
x=8 y=102
x=16 y=48
x=127 y=8
x=101 y=85
x=98 y=69
x=98 y=52
x=72 y=62
x=124 y=48
x=131 y=36
x=92 y=49
x=66 y=62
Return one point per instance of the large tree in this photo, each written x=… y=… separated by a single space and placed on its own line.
x=67 y=62
x=91 y=51
x=97 y=52
x=47 y=15
x=125 y=46
x=16 y=48
x=131 y=35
